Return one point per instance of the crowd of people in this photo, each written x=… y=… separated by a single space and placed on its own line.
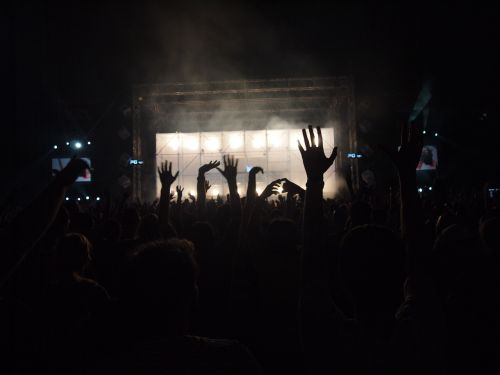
x=250 y=285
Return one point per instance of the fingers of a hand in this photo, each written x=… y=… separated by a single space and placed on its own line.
x=177 y=174
x=170 y=167
x=301 y=149
x=334 y=154
x=236 y=165
x=220 y=170
x=311 y=134
x=320 y=137
x=306 y=140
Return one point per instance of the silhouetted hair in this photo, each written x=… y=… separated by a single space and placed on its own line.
x=161 y=275
x=73 y=252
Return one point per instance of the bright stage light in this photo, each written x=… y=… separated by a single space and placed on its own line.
x=67 y=143
x=55 y=147
x=78 y=145
x=67 y=198
x=274 y=140
x=436 y=134
x=190 y=142
x=98 y=198
x=235 y=142
x=174 y=144
x=258 y=142
x=88 y=143
x=87 y=197
x=78 y=199
x=430 y=188
x=420 y=190
x=212 y=144
x=423 y=132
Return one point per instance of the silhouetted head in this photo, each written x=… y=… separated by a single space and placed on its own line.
x=455 y=253
x=73 y=253
x=149 y=228
x=372 y=268
x=159 y=283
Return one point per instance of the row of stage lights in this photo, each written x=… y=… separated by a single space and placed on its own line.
x=87 y=198
x=235 y=142
x=422 y=189
x=77 y=145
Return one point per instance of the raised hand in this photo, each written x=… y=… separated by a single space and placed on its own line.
x=207 y=185
x=230 y=170
x=72 y=171
x=271 y=189
x=407 y=156
x=208 y=167
x=255 y=170
x=166 y=176
x=313 y=157
x=192 y=197
x=292 y=188
x=179 y=191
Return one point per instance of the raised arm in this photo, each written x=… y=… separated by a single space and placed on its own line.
x=230 y=172
x=405 y=160
x=202 y=186
x=315 y=164
x=166 y=179
x=24 y=232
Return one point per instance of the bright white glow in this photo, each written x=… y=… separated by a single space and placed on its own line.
x=212 y=144
x=87 y=197
x=98 y=199
x=88 y=143
x=274 y=140
x=258 y=142
x=423 y=132
x=78 y=199
x=55 y=147
x=420 y=190
x=67 y=198
x=235 y=142
x=191 y=142
x=78 y=145
x=189 y=150
x=67 y=143
x=174 y=144
x=436 y=134
x=259 y=191
x=430 y=188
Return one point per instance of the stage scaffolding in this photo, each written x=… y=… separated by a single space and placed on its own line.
x=240 y=105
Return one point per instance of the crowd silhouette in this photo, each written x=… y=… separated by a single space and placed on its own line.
x=298 y=284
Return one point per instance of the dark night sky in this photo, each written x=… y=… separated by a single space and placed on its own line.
x=69 y=62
